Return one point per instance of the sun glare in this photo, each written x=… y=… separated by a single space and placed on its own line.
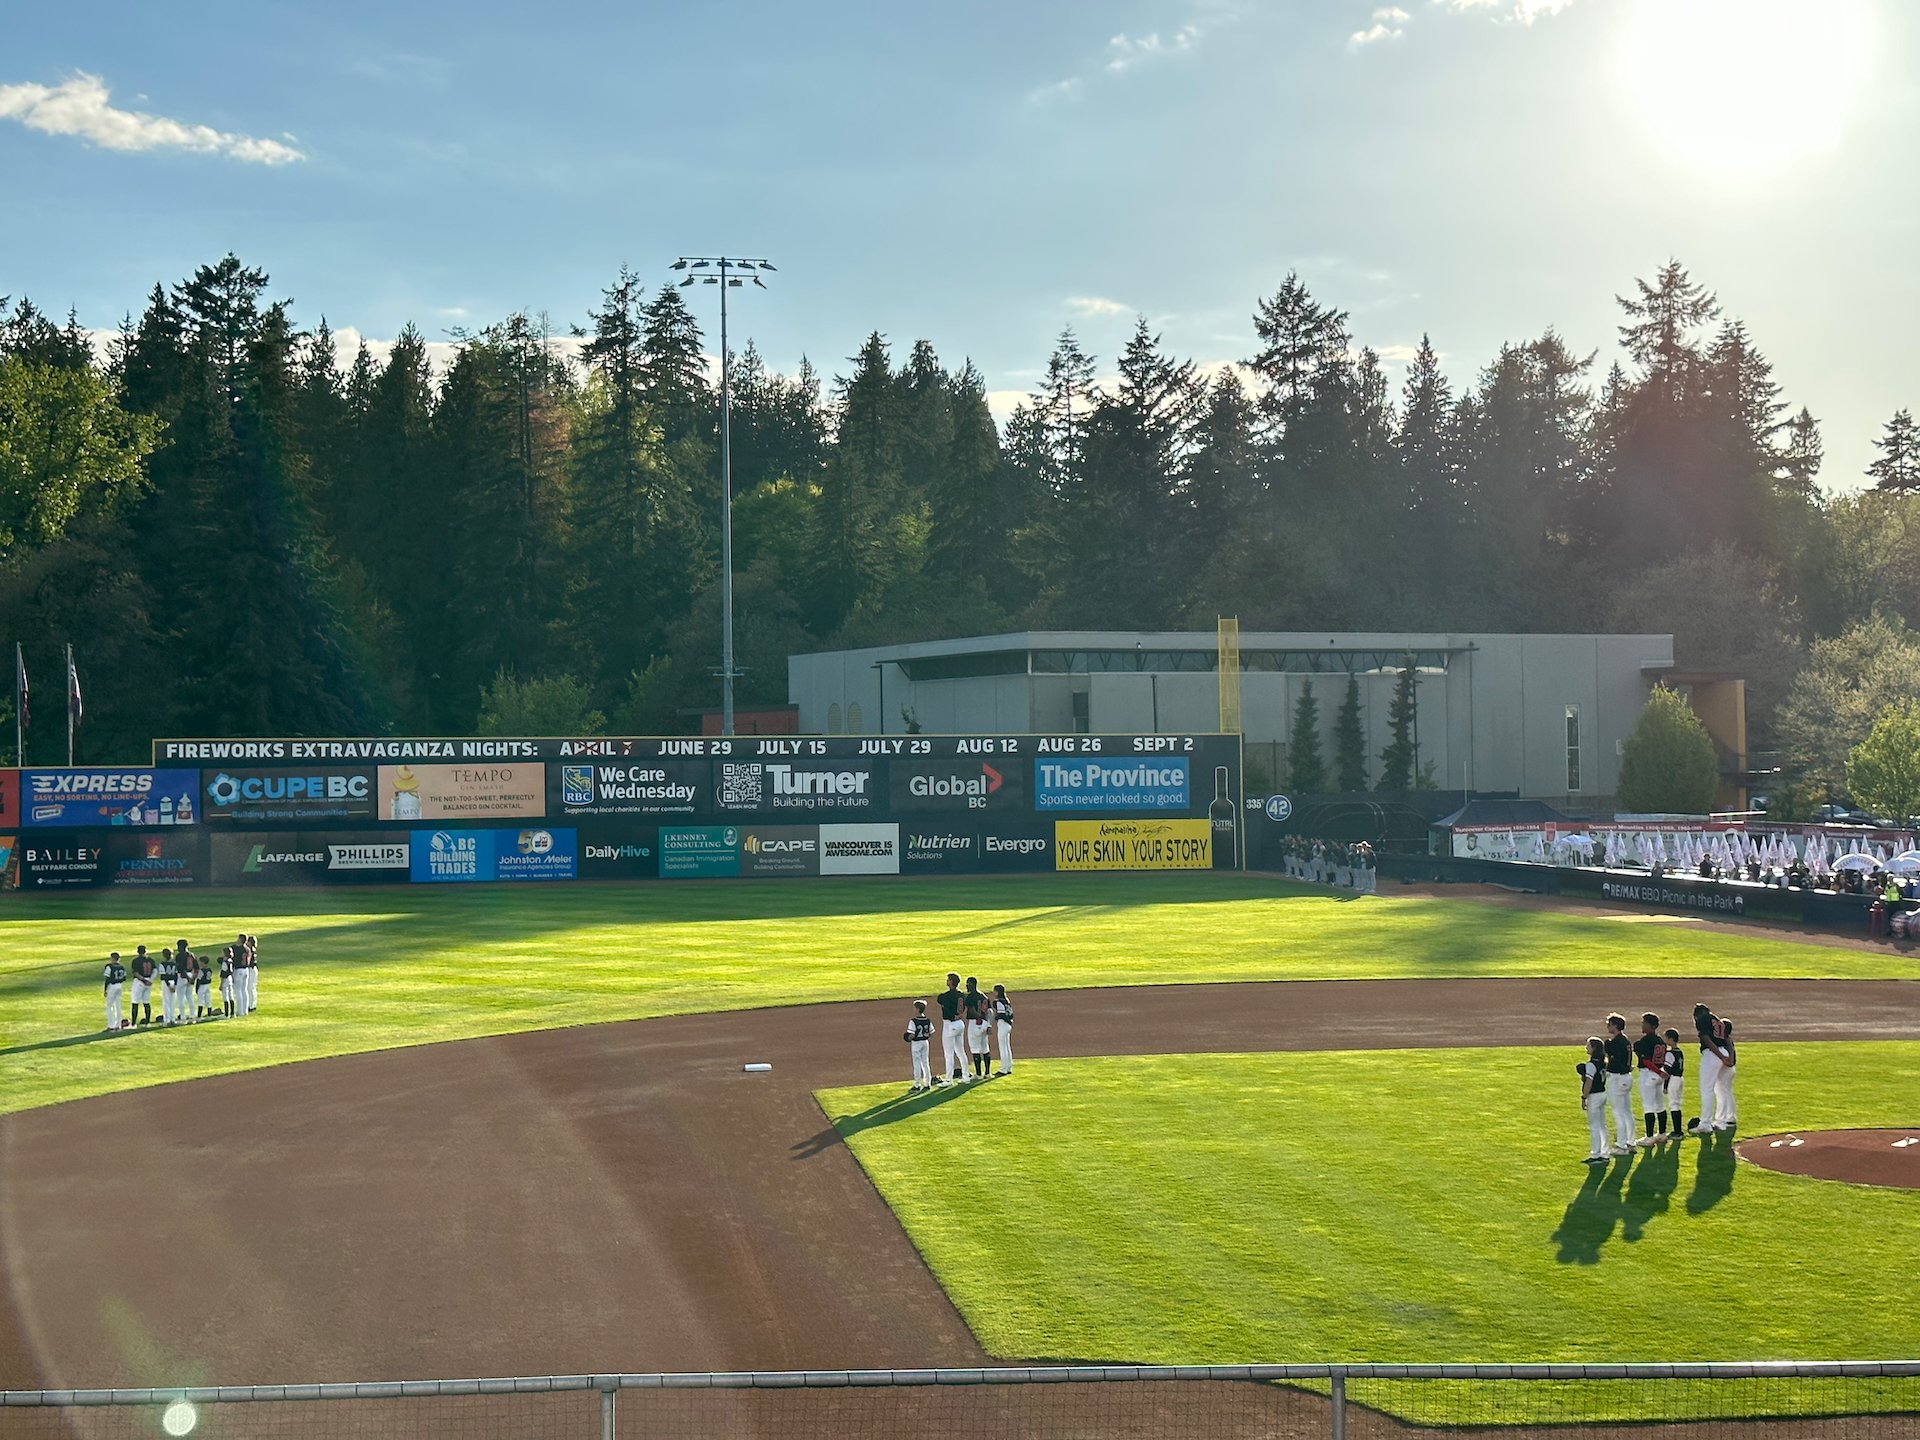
x=1744 y=88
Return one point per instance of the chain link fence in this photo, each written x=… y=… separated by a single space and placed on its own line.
x=1850 y=1400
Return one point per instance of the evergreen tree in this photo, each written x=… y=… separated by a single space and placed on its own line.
x=969 y=517
x=1400 y=761
x=1062 y=405
x=1350 y=742
x=1306 y=769
x=1667 y=763
x=861 y=492
x=1898 y=468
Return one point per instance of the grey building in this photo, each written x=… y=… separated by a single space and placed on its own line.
x=1542 y=715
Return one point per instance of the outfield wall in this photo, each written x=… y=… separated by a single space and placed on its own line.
x=236 y=813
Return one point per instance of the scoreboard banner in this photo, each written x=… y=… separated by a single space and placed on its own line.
x=467 y=809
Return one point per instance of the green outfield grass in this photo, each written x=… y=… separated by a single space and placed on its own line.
x=348 y=971
x=1402 y=1207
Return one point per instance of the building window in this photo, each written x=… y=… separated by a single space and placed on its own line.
x=1080 y=712
x=1573 y=749
x=833 y=718
x=853 y=718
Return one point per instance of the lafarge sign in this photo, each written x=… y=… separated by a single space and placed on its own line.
x=254 y=797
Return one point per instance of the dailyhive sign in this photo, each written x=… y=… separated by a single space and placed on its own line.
x=462 y=792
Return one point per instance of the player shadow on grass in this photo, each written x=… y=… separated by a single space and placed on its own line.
x=1713 y=1170
x=900 y=1107
x=92 y=1037
x=1627 y=1194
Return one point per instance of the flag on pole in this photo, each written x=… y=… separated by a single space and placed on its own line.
x=75 y=709
x=20 y=684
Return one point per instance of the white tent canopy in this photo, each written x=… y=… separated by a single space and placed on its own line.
x=1856 y=862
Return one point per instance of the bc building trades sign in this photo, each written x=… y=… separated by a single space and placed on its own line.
x=465 y=810
x=1133 y=845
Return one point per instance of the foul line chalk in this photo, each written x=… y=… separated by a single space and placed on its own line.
x=756 y=1067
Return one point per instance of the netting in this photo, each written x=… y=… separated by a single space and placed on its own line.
x=1275 y=1403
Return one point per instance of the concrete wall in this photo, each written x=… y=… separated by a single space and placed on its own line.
x=1494 y=719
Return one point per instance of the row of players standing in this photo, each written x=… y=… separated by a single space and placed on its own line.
x=967 y=1017
x=186 y=983
x=1607 y=1082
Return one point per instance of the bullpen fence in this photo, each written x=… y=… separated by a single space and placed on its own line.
x=1872 y=1400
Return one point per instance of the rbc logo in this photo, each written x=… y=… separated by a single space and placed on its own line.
x=576 y=785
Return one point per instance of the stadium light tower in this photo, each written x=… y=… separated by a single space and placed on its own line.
x=729 y=273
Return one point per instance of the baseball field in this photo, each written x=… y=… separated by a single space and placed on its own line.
x=507 y=1131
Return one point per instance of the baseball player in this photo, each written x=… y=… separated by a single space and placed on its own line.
x=1620 y=1084
x=140 y=997
x=953 y=1033
x=1593 y=1098
x=203 y=987
x=1716 y=1059
x=169 y=986
x=1676 y=1083
x=1650 y=1057
x=1002 y=1009
x=253 y=972
x=226 y=982
x=919 y=1038
x=974 y=1005
x=113 y=976
x=188 y=964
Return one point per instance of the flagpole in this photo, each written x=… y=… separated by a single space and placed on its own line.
x=69 y=706
x=19 y=707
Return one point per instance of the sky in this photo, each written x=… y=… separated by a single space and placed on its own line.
x=983 y=175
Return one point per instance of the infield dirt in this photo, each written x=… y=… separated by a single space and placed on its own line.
x=618 y=1197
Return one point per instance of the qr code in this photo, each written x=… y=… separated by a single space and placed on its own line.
x=742 y=786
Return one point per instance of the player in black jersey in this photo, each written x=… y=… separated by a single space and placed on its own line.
x=169 y=987
x=189 y=966
x=112 y=976
x=1650 y=1059
x=1620 y=1084
x=1001 y=1009
x=974 y=1006
x=919 y=1038
x=953 y=1034
x=1676 y=1083
x=140 y=997
x=226 y=981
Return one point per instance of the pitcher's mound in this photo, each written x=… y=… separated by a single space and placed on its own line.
x=1860 y=1157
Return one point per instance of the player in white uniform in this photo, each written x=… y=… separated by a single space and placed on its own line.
x=169 y=987
x=1620 y=1084
x=112 y=976
x=1676 y=1083
x=1593 y=1098
x=1716 y=1065
x=140 y=996
x=226 y=981
x=919 y=1038
x=953 y=1034
x=1002 y=1010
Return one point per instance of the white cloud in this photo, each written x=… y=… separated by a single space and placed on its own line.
x=1126 y=51
x=1091 y=307
x=81 y=107
x=1524 y=11
x=1388 y=24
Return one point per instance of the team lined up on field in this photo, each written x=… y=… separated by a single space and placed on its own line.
x=1607 y=1082
x=186 y=983
x=967 y=1019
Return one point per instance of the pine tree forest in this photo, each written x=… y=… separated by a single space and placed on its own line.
x=245 y=532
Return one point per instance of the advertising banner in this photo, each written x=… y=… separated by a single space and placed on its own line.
x=442 y=857
x=634 y=856
x=9 y=798
x=1133 y=845
x=284 y=796
x=535 y=855
x=699 y=852
x=310 y=858
x=1014 y=846
x=1529 y=846
x=626 y=788
x=859 y=849
x=61 y=864
x=791 y=787
x=779 y=850
x=98 y=797
x=940 y=847
x=957 y=785
x=463 y=792
x=1130 y=782
x=155 y=859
